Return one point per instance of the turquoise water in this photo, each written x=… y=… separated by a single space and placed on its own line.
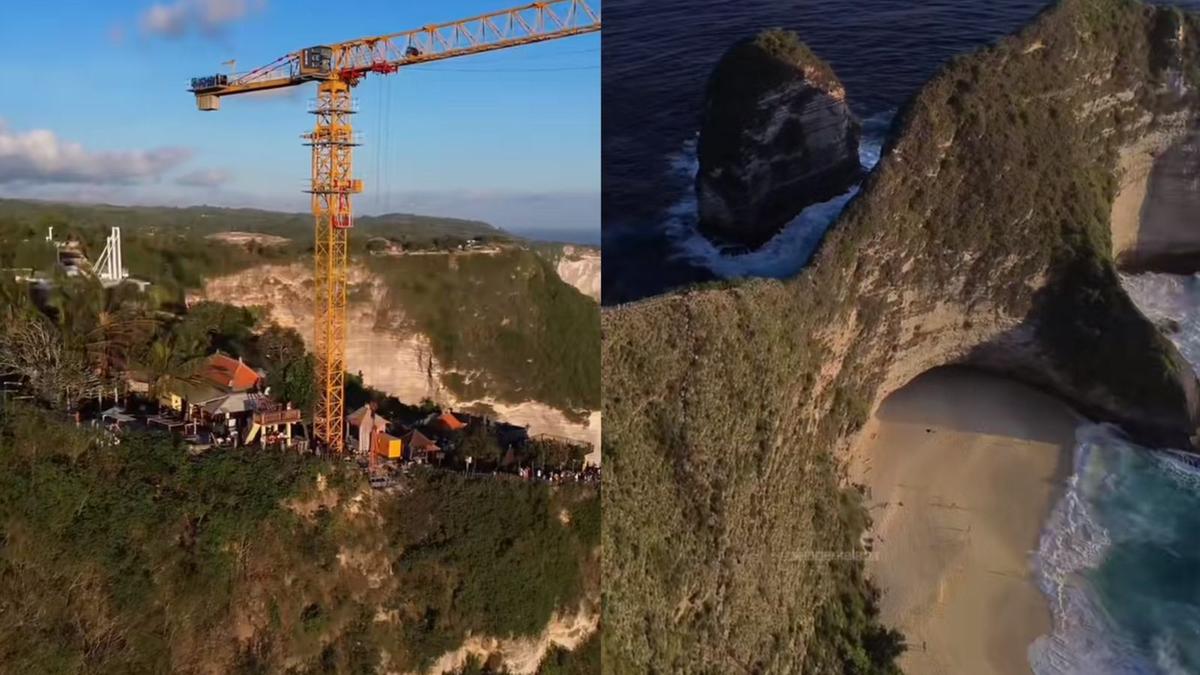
x=1119 y=558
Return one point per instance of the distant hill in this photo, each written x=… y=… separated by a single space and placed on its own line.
x=210 y=219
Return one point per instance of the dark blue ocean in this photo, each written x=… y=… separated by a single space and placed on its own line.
x=657 y=55
x=1119 y=559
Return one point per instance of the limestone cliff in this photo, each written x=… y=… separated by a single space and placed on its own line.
x=580 y=267
x=777 y=135
x=1155 y=225
x=982 y=238
x=395 y=355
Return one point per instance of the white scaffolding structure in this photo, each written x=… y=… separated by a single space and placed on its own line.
x=109 y=266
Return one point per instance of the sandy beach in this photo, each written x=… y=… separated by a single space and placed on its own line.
x=963 y=469
x=1154 y=223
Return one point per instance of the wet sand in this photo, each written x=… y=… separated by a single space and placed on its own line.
x=963 y=469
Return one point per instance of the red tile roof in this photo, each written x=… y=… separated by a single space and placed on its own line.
x=229 y=373
x=419 y=442
x=449 y=422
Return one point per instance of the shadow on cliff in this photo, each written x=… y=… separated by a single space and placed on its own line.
x=1085 y=342
x=948 y=398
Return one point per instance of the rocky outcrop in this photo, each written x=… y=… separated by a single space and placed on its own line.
x=777 y=135
x=982 y=238
x=580 y=267
x=523 y=656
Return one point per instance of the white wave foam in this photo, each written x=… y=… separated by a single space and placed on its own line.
x=1170 y=297
x=787 y=252
x=1073 y=542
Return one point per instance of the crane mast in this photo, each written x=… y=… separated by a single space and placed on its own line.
x=337 y=69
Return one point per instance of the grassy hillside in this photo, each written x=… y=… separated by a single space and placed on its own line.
x=981 y=238
x=506 y=320
x=171 y=248
x=204 y=220
x=140 y=558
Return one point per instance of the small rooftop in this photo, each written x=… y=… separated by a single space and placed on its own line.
x=229 y=373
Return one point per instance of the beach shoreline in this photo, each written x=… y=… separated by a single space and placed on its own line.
x=962 y=470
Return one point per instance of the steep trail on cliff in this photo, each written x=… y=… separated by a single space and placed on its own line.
x=982 y=238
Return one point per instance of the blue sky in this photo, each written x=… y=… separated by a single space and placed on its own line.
x=95 y=108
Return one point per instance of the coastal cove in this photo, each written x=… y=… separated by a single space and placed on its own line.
x=983 y=239
x=976 y=539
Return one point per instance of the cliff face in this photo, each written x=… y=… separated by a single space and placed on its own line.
x=1160 y=196
x=394 y=355
x=777 y=135
x=580 y=267
x=982 y=238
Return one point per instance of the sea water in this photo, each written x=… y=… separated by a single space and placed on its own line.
x=1119 y=558
x=657 y=58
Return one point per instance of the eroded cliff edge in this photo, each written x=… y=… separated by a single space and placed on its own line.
x=982 y=238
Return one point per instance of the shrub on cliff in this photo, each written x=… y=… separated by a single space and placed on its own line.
x=141 y=557
x=507 y=320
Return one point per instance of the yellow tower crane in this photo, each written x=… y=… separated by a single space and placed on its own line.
x=337 y=68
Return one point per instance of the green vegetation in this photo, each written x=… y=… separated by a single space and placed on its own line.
x=488 y=556
x=205 y=220
x=173 y=248
x=982 y=237
x=505 y=321
x=139 y=557
x=117 y=557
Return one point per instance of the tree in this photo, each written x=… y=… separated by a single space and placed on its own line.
x=104 y=325
x=295 y=382
x=172 y=358
x=279 y=346
x=34 y=254
x=220 y=326
x=481 y=445
x=34 y=351
x=15 y=300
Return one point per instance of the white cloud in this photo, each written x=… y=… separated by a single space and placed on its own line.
x=207 y=16
x=203 y=178
x=40 y=156
x=166 y=19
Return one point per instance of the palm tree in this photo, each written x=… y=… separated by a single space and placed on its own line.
x=171 y=359
x=103 y=325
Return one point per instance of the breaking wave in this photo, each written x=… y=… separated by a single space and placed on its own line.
x=1118 y=557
